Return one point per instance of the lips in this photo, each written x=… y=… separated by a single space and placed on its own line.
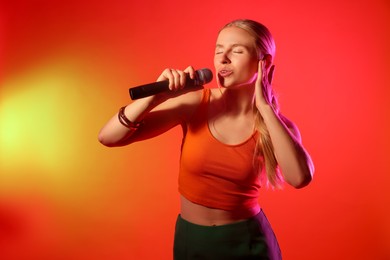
x=225 y=73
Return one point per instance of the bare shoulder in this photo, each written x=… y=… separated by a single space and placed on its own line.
x=215 y=92
x=192 y=98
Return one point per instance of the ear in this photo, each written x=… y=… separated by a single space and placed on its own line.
x=268 y=61
x=269 y=67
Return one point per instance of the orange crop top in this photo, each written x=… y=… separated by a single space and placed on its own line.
x=214 y=174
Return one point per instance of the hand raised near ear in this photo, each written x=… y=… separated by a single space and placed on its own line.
x=263 y=92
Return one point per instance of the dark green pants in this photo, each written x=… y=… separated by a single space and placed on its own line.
x=250 y=239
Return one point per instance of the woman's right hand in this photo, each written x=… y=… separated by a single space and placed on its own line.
x=177 y=78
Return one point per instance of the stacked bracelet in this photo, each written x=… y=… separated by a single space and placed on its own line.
x=125 y=121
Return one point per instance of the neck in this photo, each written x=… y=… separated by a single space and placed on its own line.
x=237 y=101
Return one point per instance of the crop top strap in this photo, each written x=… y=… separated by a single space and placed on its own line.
x=204 y=102
x=201 y=111
x=200 y=115
x=205 y=96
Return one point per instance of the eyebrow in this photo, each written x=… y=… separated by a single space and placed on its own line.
x=234 y=45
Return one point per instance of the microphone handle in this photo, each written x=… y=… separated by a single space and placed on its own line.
x=149 y=89
x=155 y=88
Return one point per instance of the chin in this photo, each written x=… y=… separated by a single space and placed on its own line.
x=225 y=83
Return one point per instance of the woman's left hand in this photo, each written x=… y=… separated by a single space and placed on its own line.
x=263 y=92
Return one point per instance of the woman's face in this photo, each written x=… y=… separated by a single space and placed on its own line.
x=235 y=60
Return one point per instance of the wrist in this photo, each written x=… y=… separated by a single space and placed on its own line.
x=126 y=122
x=265 y=110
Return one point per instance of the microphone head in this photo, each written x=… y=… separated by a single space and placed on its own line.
x=203 y=76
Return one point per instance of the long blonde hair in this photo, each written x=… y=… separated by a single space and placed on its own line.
x=264 y=153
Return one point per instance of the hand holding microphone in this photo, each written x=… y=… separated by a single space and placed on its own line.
x=174 y=80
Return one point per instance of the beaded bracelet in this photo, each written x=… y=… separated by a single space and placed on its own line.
x=125 y=121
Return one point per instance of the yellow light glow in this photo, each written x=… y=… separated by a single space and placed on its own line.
x=39 y=120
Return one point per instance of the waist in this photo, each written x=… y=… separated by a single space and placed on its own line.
x=205 y=216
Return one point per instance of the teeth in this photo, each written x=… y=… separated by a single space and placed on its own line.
x=224 y=72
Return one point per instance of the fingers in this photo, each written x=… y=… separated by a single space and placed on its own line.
x=264 y=72
x=166 y=75
x=264 y=93
x=177 y=81
x=190 y=71
x=177 y=78
x=261 y=68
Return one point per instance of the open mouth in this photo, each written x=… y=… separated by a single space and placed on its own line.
x=225 y=73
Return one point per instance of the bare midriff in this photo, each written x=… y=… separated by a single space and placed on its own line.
x=201 y=215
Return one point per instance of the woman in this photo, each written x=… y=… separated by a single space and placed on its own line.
x=234 y=138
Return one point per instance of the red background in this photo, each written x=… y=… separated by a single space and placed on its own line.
x=66 y=67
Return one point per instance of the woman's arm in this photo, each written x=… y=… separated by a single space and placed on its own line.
x=294 y=161
x=157 y=113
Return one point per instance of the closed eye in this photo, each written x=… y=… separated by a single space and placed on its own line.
x=238 y=50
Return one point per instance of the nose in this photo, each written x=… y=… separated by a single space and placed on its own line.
x=223 y=58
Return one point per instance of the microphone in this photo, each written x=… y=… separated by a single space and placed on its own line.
x=202 y=77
